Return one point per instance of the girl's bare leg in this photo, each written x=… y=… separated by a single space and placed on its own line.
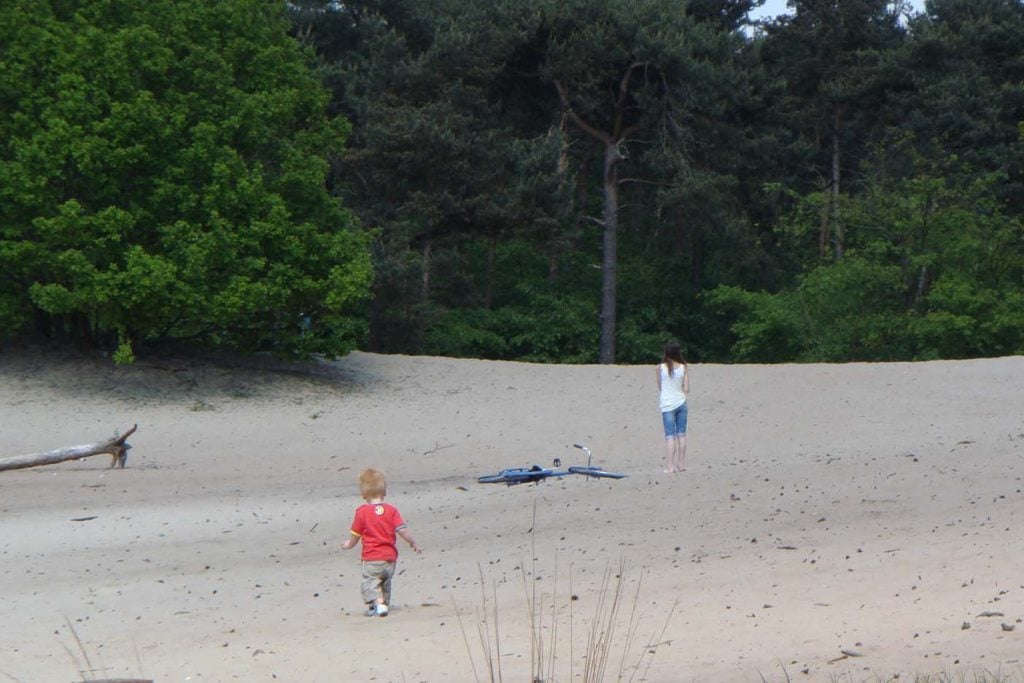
x=670 y=455
x=680 y=453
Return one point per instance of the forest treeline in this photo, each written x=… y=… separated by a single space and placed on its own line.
x=545 y=180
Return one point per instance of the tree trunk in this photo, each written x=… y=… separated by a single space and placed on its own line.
x=492 y=248
x=609 y=266
x=696 y=258
x=611 y=140
x=115 y=447
x=823 y=221
x=427 y=252
x=837 y=226
x=563 y=149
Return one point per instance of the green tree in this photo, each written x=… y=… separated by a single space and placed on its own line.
x=633 y=80
x=434 y=161
x=493 y=202
x=967 y=58
x=934 y=269
x=520 y=157
x=454 y=160
x=835 y=60
x=162 y=172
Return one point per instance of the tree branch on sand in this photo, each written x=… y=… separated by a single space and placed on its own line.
x=115 y=447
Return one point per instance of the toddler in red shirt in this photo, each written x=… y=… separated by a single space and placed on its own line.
x=376 y=523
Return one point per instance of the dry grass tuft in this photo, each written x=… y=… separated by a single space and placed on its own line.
x=626 y=653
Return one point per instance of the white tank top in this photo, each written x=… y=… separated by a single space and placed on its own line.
x=672 y=395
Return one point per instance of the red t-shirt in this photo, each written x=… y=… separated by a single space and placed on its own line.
x=376 y=524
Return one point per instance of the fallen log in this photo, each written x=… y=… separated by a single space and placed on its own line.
x=115 y=447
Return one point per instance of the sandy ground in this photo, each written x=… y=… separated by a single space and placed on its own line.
x=870 y=509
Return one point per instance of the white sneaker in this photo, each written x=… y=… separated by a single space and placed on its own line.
x=382 y=610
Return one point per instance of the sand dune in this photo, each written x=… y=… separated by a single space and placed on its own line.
x=868 y=509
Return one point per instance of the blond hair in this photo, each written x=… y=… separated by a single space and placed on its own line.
x=372 y=484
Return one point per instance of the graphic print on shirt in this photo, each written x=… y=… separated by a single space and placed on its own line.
x=376 y=524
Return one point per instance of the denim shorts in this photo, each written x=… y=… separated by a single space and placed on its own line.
x=675 y=422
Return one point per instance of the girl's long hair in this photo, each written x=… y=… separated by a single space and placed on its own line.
x=673 y=353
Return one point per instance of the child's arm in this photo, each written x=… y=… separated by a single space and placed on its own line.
x=407 y=537
x=350 y=542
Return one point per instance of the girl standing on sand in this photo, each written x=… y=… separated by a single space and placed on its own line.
x=673 y=386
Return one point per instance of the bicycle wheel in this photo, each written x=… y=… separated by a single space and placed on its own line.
x=596 y=472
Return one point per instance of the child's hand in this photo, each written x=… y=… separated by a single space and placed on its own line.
x=417 y=549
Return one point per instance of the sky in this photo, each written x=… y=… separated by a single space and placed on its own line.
x=775 y=7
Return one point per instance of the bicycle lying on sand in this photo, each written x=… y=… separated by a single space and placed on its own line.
x=537 y=474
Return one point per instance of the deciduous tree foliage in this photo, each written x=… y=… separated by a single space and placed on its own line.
x=162 y=169
x=546 y=180
x=932 y=224
x=934 y=269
